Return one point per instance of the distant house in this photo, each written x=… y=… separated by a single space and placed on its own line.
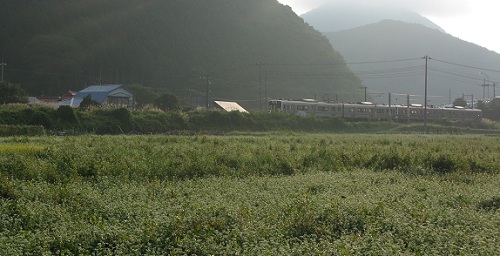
x=52 y=101
x=108 y=95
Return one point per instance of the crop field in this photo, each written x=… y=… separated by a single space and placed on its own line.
x=256 y=194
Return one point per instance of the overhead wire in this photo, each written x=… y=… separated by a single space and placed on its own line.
x=466 y=66
x=395 y=72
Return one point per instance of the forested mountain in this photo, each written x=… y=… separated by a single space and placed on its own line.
x=387 y=56
x=52 y=46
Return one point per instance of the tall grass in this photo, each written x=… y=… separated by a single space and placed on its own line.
x=273 y=194
x=188 y=157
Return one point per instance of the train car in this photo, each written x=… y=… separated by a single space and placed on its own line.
x=307 y=108
x=369 y=111
x=366 y=111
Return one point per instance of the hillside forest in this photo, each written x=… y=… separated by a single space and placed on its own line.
x=245 y=51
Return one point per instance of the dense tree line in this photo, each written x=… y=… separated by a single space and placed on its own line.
x=491 y=110
x=53 y=46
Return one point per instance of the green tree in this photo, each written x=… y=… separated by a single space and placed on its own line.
x=88 y=102
x=67 y=114
x=491 y=110
x=143 y=95
x=12 y=93
x=167 y=102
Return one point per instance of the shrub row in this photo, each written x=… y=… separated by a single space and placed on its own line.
x=67 y=120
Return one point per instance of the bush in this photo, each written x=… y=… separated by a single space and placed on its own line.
x=41 y=118
x=67 y=114
x=20 y=130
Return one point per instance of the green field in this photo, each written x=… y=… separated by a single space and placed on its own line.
x=257 y=194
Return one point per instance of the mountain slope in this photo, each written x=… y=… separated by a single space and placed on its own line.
x=343 y=15
x=449 y=67
x=53 y=46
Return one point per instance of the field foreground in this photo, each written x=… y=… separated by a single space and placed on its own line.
x=250 y=195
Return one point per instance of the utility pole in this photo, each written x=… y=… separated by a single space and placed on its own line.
x=494 y=91
x=207 y=80
x=485 y=84
x=390 y=107
x=265 y=83
x=260 y=64
x=365 y=88
x=425 y=97
x=408 y=108
x=3 y=64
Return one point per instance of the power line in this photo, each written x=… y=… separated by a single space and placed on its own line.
x=381 y=61
x=466 y=66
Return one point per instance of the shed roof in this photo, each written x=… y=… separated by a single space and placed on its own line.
x=230 y=106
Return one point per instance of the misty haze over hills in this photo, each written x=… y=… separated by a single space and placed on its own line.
x=339 y=16
x=404 y=45
x=391 y=44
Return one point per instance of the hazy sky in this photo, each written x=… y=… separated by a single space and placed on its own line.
x=476 y=21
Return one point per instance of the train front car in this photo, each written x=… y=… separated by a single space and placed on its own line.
x=274 y=105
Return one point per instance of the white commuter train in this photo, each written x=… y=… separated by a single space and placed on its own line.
x=370 y=111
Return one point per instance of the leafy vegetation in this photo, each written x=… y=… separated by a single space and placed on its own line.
x=251 y=195
x=167 y=102
x=491 y=110
x=94 y=120
x=173 y=157
x=12 y=93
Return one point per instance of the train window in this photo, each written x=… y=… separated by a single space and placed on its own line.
x=351 y=110
x=323 y=108
x=339 y=109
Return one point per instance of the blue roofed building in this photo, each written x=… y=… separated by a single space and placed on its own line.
x=108 y=95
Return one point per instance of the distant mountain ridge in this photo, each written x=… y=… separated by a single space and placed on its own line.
x=248 y=49
x=454 y=67
x=344 y=15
